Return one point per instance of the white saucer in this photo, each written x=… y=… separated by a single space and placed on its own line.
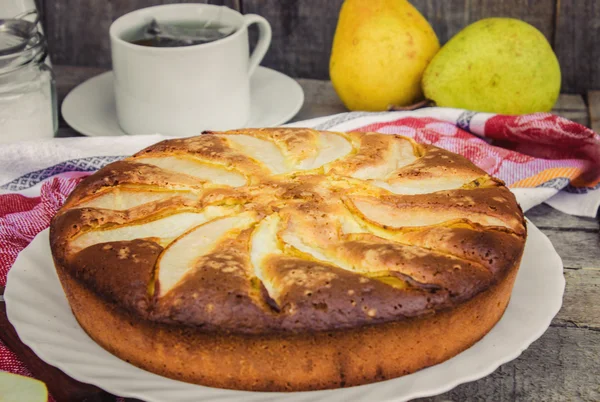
x=90 y=107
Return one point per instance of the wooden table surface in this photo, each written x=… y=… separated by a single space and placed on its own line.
x=564 y=364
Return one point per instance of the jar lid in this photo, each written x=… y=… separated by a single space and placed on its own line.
x=15 y=33
x=34 y=51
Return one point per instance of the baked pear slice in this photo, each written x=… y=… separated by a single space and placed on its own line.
x=18 y=388
x=264 y=244
x=164 y=230
x=124 y=198
x=179 y=257
x=401 y=212
x=196 y=167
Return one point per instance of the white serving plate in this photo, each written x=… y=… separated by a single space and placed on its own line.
x=39 y=311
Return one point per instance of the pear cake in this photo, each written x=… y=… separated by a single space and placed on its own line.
x=288 y=259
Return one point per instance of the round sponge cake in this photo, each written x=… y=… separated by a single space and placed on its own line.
x=288 y=259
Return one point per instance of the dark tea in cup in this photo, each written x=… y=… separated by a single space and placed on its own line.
x=176 y=34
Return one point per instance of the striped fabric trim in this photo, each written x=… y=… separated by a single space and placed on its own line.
x=30 y=179
x=562 y=178
x=548 y=175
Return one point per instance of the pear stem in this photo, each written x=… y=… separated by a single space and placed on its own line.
x=414 y=106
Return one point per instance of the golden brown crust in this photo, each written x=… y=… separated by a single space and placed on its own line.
x=372 y=150
x=437 y=162
x=258 y=238
x=100 y=267
x=211 y=148
x=426 y=270
x=288 y=361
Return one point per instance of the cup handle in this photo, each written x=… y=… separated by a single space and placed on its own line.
x=264 y=40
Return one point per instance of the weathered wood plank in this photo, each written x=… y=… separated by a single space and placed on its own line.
x=594 y=110
x=302 y=34
x=561 y=366
x=303 y=30
x=77 y=30
x=581 y=300
x=319 y=100
x=545 y=217
x=577 y=248
x=576 y=44
x=573 y=102
x=572 y=107
x=449 y=17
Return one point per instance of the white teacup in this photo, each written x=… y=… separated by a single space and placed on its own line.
x=181 y=91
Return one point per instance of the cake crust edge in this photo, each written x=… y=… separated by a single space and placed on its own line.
x=300 y=361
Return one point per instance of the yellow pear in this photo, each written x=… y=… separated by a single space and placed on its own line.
x=499 y=65
x=17 y=388
x=380 y=51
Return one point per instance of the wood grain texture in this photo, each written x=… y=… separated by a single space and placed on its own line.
x=319 y=100
x=561 y=366
x=594 y=110
x=581 y=300
x=576 y=44
x=77 y=30
x=545 y=217
x=578 y=248
x=302 y=34
x=572 y=107
x=449 y=17
x=303 y=30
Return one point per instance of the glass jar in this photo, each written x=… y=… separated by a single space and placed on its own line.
x=28 y=107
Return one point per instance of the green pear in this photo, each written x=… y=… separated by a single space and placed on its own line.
x=499 y=65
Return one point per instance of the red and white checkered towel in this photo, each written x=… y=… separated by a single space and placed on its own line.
x=541 y=157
